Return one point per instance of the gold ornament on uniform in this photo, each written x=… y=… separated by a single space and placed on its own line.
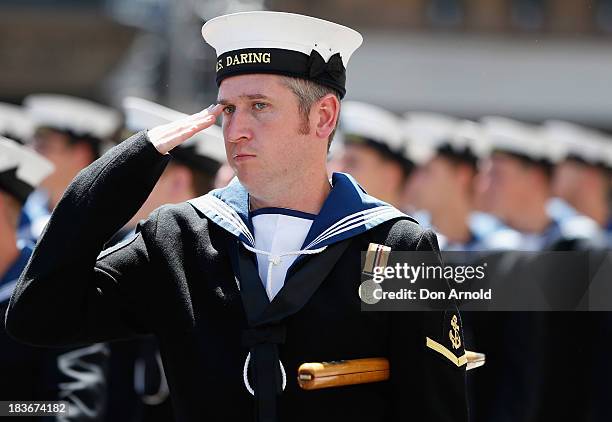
x=453 y=334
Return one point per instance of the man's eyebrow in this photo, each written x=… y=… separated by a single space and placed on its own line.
x=224 y=101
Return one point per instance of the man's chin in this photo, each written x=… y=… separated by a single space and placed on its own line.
x=246 y=179
x=254 y=184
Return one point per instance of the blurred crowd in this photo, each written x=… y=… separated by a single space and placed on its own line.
x=489 y=185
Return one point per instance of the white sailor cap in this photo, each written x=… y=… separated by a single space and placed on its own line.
x=373 y=126
x=21 y=169
x=82 y=118
x=579 y=143
x=429 y=134
x=520 y=139
x=15 y=123
x=469 y=137
x=282 y=43
x=205 y=150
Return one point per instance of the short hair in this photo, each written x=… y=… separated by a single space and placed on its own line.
x=543 y=165
x=73 y=138
x=308 y=93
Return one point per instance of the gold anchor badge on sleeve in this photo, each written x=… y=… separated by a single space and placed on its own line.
x=453 y=334
x=471 y=359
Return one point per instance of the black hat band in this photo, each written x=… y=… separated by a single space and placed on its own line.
x=11 y=184
x=284 y=62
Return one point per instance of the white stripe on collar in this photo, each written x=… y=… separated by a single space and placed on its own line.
x=351 y=221
x=380 y=218
x=226 y=213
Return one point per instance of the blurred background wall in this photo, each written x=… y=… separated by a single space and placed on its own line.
x=528 y=59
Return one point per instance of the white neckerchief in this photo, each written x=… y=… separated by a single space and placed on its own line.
x=278 y=239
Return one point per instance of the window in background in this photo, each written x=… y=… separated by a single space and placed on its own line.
x=446 y=13
x=72 y=4
x=572 y=17
x=149 y=15
x=603 y=16
x=487 y=15
x=528 y=15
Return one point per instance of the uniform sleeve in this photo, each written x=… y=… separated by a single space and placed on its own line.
x=427 y=362
x=69 y=294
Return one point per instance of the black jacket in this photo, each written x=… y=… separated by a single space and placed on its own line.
x=179 y=279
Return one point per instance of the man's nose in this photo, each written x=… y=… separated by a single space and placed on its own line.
x=237 y=127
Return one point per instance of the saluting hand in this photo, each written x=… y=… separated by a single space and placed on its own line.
x=170 y=135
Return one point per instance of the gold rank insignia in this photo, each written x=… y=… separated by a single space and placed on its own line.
x=452 y=348
x=376 y=256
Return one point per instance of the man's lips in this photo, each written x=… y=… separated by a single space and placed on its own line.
x=242 y=156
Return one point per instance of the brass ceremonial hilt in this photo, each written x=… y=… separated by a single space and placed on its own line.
x=312 y=376
x=316 y=375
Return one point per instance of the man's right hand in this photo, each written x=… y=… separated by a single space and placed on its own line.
x=170 y=135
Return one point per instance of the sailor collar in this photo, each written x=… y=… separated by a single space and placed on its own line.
x=348 y=211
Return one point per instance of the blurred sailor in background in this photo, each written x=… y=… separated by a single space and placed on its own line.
x=517 y=180
x=31 y=373
x=16 y=125
x=582 y=176
x=446 y=151
x=70 y=132
x=374 y=150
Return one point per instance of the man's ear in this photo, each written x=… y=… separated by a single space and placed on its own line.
x=326 y=112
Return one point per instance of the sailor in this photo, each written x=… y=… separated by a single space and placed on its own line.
x=373 y=150
x=16 y=125
x=582 y=175
x=70 y=132
x=31 y=373
x=446 y=151
x=517 y=177
x=243 y=285
x=521 y=156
